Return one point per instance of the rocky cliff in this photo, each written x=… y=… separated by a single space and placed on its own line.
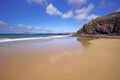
x=109 y=24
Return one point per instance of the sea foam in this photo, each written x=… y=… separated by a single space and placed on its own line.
x=32 y=38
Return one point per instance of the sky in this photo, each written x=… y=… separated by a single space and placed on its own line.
x=51 y=16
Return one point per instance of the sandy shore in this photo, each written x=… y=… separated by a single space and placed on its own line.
x=61 y=59
x=101 y=60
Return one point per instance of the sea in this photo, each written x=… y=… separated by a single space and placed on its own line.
x=22 y=37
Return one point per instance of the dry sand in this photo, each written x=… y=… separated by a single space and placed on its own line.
x=101 y=61
x=62 y=59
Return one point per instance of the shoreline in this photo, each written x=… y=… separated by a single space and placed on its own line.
x=97 y=36
x=30 y=38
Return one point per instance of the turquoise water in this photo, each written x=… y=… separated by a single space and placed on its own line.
x=18 y=37
x=14 y=36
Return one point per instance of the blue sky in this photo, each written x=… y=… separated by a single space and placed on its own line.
x=44 y=16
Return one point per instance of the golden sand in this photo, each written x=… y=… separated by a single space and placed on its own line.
x=101 y=61
x=61 y=60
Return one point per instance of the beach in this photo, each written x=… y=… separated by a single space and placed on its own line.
x=60 y=59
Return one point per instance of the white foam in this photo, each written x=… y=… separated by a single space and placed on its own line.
x=23 y=39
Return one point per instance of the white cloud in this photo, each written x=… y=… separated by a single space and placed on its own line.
x=118 y=10
x=93 y=16
x=46 y=30
x=41 y=2
x=76 y=2
x=3 y=24
x=69 y=14
x=85 y=10
x=37 y=28
x=30 y=28
x=24 y=27
x=83 y=13
x=52 y=10
x=20 y=26
x=81 y=17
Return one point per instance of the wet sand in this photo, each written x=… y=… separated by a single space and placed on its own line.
x=61 y=59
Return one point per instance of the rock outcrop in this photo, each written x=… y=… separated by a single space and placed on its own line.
x=109 y=24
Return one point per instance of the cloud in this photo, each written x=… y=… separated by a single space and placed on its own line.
x=46 y=30
x=22 y=28
x=52 y=10
x=78 y=14
x=32 y=28
x=74 y=2
x=41 y=2
x=3 y=24
x=67 y=15
x=25 y=27
x=29 y=27
x=38 y=28
x=118 y=10
x=83 y=12
x=93 y=16
x=81 y=17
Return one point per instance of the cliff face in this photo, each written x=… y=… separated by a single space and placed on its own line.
x=109 y=24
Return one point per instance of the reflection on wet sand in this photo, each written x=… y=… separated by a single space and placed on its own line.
x=37 y=60
x=85 y=41
x=53 y=58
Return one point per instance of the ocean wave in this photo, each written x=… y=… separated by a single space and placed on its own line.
x=32 y=38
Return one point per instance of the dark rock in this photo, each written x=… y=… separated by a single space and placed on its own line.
x=109 y=24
